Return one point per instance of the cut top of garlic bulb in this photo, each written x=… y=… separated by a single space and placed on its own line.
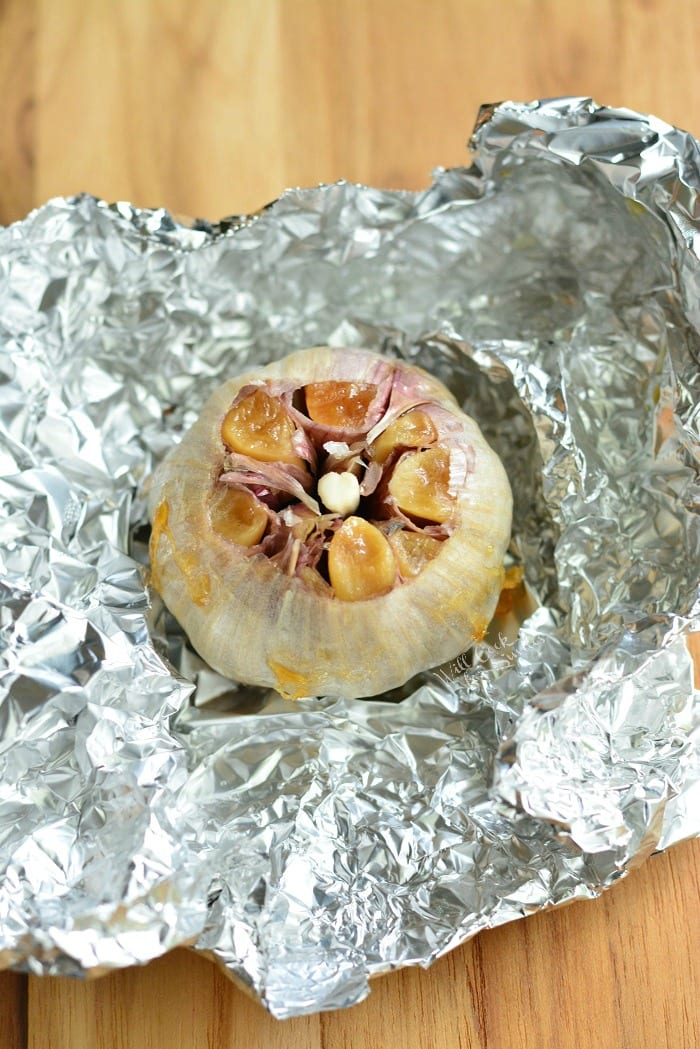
x=331 y=523
x=277 y=467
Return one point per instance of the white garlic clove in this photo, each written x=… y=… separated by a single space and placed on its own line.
x=340 y=492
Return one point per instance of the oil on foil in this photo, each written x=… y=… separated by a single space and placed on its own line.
x=145 y=802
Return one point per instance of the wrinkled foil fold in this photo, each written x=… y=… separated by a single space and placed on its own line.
x=145 y=801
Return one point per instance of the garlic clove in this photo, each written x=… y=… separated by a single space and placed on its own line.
x=420 y=484
x=341 y=405
x=413 y=551
x=258 y=426
x=340 y=492
x=415 y=429
x=237 y=515
x=361 y=564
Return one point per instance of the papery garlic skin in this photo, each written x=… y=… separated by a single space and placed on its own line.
x=258 y=624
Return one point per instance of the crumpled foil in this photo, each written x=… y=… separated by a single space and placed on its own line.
x=145 y=801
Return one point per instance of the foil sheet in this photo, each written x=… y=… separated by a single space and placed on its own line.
x=145 y=802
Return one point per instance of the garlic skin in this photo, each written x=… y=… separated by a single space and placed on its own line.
x=258 y=624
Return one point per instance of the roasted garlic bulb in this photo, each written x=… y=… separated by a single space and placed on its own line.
x=331 y=525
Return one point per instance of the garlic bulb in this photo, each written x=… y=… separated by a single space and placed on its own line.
x=331 y=525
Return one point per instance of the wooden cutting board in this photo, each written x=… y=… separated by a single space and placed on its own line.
x=213 y=108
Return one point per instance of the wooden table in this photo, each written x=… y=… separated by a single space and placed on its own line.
x=213 y=107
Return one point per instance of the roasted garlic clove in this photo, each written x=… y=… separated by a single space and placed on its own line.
x=420 y=485
x=237 y=515
x=342 y=405
x=285 y=577
x=361 y=564
x=413 y=550
x=414 y=429
x=259 y=426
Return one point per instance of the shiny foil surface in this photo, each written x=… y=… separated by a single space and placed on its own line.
x=147 y=802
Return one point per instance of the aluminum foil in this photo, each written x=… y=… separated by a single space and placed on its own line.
x=145 y=802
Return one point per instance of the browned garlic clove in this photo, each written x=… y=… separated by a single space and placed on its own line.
x=259 y=426
x=361 y=564
x=415 y=429
x=237 y=515
x=340 y=405
x=413 y=550
x=420 y=484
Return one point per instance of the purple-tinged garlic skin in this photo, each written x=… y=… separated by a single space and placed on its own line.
x=278 y=623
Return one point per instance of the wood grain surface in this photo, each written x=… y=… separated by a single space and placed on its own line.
x=212 y=108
